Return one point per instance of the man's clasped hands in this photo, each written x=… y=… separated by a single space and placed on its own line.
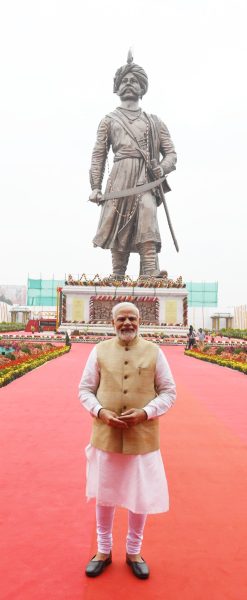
x=130 y=417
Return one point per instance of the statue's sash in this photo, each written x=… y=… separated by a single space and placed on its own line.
x=121 y=120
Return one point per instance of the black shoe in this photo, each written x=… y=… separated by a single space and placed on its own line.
x=140 y=569
x=96 y=567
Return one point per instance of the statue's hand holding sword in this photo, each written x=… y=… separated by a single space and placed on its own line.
x=96 y=196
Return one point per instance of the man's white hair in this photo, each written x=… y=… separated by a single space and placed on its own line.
x=124 y=305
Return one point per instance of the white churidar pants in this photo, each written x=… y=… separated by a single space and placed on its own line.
x=104 y=520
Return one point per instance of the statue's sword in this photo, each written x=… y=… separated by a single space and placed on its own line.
x=140 y=189
x=154 y=164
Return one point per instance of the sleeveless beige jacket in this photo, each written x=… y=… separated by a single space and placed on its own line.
x=126 y=381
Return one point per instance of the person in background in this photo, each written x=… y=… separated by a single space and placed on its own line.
x=201 y=339
x=191 y=338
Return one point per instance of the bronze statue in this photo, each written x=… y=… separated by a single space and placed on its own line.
x=137 y=181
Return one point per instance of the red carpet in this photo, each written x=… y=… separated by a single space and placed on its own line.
x=196 y=551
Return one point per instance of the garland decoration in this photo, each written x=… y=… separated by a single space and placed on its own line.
x=150 y=282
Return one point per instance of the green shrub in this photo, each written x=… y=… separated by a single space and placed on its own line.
x=239 y=350
x=219 y=349
x=223 y=362
x=9 y=373
x=67 y=340
x=25 y=349
x=235 y=333
x=5 y=327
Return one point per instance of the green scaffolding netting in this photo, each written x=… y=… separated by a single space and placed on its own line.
x=43 y=292
x=202 y=294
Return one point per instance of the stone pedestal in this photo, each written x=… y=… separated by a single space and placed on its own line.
x=80 y=305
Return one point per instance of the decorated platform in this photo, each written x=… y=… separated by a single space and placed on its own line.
x=89 y=302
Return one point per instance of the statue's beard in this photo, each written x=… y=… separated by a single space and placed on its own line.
x=126 y=336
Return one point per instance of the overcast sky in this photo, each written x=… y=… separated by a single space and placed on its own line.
x=58 y=59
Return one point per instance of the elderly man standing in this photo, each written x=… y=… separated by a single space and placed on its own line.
x=143 y=152
x=126 y=386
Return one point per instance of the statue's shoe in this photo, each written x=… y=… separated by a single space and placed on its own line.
x=156 y=275
x=116 y=277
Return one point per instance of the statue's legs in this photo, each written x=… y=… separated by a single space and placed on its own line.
x=157 y=266
x=119 y=263
x=149 y=264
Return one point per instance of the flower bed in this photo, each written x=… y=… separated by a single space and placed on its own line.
x=21 y=349
x=94 y=338
x=232 y=361
x=38 y=337
x=12 y=369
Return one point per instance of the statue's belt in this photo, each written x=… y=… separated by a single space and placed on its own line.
x=138 y=189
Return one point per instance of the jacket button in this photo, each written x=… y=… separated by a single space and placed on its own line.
x=126 y=362
x=124 y=407
x=125 y=391
x=126 y=349
x=126 y=377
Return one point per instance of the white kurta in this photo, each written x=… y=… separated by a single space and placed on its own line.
x=136 y=482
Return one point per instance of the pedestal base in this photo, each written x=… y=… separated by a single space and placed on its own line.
x=81 y=305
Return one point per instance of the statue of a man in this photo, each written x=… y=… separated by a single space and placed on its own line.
x=129 y=224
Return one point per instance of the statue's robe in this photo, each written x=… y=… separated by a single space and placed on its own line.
x=130 y=221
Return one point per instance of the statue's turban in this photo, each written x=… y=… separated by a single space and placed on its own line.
x=139 y=73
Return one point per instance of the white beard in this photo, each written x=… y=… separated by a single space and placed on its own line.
x=127 y=336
